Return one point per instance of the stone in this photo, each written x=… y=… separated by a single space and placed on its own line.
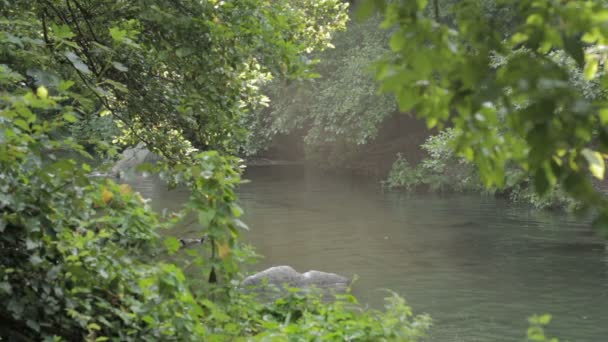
x=280 y=277
x=132 y=157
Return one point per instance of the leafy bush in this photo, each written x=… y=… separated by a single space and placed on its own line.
x=523 y=192
x=442 y=170
x=305 y=318
x=74 y=249
x=402 y=175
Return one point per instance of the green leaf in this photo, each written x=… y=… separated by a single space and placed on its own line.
x=30 y=244
x=603 y=114
x=172 y=244
x=33 y=324
x=205 y=217
x=120 y=67
x=544 y=319
x=118 y=86
x=13 y=39
x=62 y=31
x=241 y=224
x=237 y=211
x=397 y=41
x=5 y=287
x=148 y=319
x=70 y=117
x=65 y=85
x=407 y=100
x=431 y=122
x=365 y=9
x=22 y=124
x=596 y=162
x=93 y=326
x=77 y=62
x=117 y=34
x=519 y=38
x=591 y=68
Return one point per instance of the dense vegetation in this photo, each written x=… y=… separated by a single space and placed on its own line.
x=522 y=88
x=511 y=95
x=444 y=171
x=486 y=69
x=335 y=118
x=82 y=257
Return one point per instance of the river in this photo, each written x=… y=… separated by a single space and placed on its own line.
x=478 y=265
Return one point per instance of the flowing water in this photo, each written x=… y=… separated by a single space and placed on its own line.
x=478 y=265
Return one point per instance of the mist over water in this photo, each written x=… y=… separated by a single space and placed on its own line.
x=478 y=265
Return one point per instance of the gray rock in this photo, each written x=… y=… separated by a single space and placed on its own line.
x=285 y=276
x=131 y=157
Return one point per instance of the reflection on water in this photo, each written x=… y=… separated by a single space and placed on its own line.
x=478 y=266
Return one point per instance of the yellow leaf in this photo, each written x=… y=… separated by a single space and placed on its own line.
x=591 y=68
x=125 y=189
x=596 y=163
x=603 y=114
x=106 y=196
x=223 y=249
x=42 y=92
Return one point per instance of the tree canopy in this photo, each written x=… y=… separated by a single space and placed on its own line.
x=166 y=67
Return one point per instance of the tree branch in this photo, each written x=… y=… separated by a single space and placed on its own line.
x=436 y=7
x=86 y=16
x=82 y=40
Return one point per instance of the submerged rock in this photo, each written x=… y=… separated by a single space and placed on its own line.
x=281 y=277
x=131 y=158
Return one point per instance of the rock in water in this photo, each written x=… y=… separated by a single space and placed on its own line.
x=324 y=279
x=285 y=276
x=132 y=157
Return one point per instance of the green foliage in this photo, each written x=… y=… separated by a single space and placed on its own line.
x=519 y=188
x=525 y=112
x=80 y=255
x=536 y=331
x=340 y=109
x=74 y=249
x=191 y=67
x=305 y=318
x=402 y=175
x=441 y=170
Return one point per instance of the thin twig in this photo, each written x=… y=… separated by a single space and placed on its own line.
x=436 y=6
x=82 y=40
x=45 y=31
x=86 y=16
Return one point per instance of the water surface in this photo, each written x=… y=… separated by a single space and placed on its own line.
x=478 y=265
